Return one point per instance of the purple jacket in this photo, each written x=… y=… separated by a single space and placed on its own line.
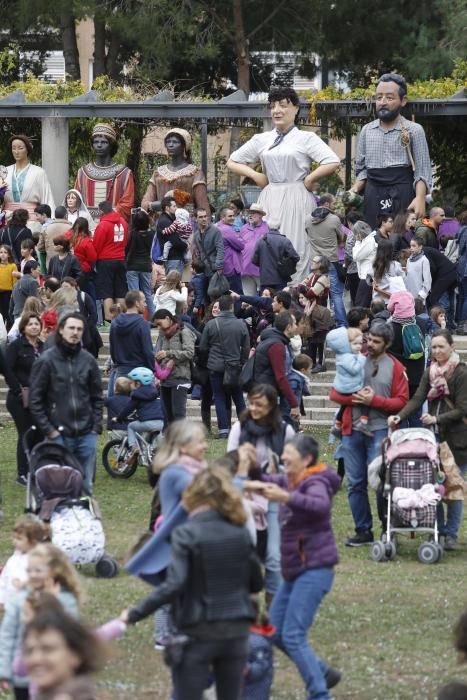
x=307 y=539
x=233 y=247
x=250 y=235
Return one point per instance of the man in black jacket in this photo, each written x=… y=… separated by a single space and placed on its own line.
x=274 y=246
x=66 y=398
x=226 y=342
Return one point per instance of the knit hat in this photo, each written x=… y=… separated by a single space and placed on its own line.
x=105 y=130
x=402 y=305
x=183 y=134
x=182 y=215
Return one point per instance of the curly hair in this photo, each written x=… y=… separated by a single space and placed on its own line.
x=61 y=570
x=213 y=488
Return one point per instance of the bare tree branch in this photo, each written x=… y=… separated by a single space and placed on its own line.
x=267 y=19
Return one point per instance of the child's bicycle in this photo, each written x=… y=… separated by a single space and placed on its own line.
x=117 y=455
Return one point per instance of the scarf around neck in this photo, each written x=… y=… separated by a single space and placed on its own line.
x=192 y=466
x=170 y=332
x=439 y=375
x=414 y=258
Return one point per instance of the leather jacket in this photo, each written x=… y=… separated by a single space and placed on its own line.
x=213 y=570
x=66 y=391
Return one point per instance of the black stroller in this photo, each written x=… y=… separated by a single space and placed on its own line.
x=55 y=493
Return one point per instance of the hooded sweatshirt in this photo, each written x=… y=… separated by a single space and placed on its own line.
x=324 y=231
x=350 y=368
x=130 y=342
x=111 y=237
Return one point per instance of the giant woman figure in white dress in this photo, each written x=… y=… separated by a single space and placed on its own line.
x=28 y=184
x=286 y=155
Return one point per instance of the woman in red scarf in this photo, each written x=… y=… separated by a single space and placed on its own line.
x=444 y=385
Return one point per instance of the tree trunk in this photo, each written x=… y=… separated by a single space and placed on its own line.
x=99 y=46
x=70 y=46
x=242 y=49
x=134 y=156
x=113 y=66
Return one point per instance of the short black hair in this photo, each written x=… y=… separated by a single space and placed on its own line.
x=60 y=213
x=198 y=266
x=164 y=313
x=30 y=266
x=382 y=218
x=284 y=298
x=140 y=221
x=225 y=302
x=356 y=315
x=44 y=209
x=394 y=78
x=238 y=203
x=353 y=216
x=105 y=207
x=166 y=202
x=326 y=197
x=71 y=314
x=282 y=320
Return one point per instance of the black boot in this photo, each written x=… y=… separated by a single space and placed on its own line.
x=206 y=418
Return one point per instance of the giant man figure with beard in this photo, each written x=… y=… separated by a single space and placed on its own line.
x=393 y=164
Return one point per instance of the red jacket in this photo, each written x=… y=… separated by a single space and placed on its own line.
x=86 y=253
x=111 y=237
x=391 y=405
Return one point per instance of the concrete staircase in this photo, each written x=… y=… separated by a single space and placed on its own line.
x=319 y=409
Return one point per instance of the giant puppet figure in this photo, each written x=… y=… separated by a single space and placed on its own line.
x=103 y=179
x=27 y=184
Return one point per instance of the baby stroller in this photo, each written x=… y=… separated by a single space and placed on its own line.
x=411 y=474
x=55 y=493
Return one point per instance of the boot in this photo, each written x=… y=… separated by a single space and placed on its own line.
x=206 y=418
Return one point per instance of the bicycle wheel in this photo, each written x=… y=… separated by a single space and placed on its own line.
x=114 y=456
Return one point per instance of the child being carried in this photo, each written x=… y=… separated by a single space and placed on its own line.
x=180 y=226
x=350 y=374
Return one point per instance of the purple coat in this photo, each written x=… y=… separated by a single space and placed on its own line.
x=233 y=247
x=307 y=539
x=250 y=235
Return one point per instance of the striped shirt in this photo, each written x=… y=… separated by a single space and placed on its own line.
x=381 y=148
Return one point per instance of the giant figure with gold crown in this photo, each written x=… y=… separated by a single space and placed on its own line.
x=103 y=179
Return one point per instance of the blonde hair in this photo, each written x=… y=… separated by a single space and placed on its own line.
x=172 y=281
x=33 y=528
x=32 y=305
x=123 y=385
x=65 y=296
x=61 y=569
x=178 y=434
x=354 y=333
x=213 y=487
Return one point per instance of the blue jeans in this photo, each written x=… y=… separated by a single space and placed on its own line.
x=336 y=292
x=449 y=526
x=84 y=449
x=462 y=315
x=292 y=613
x=142 y=281
x=142 y=426
x=272 y=562
x=358 y=450
x=447 y=301
x=222 y=401
x=178 y=265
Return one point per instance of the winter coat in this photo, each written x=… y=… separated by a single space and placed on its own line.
x=11 y=632
x=66 y=267
x=13 y=235
x=233 y=249
x=207 y=543
x=268 y=250
x=450 y=423
x=181 y=349
x=130 y=342
x=350 y=368
x=86 y=253
x=66 y=391
x=264 y=373
x=111 y=237
x=364 y=253
x=235 y=345
x=209 y=248
x=307 y=539
x=251 y=235
x=20 y=357
x=26 y=286
x=58 y=227
x=259 y=670
x=442 y=269
x=324 y=231
x=147 y=404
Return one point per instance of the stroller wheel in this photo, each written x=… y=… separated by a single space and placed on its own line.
x=390 y=550
x=106 y=567
x=428 y=553
x=440 y=551
x=114 y=459
x=378 y=551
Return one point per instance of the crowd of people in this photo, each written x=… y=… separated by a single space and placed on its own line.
x=236 y=310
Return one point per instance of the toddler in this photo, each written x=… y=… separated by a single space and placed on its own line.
x=350 y=374
x=259 y=669
x=300 y=376
x=438 y=317
x=182 y=227
x=144 y=399
x=28 y=531
x=118 y=402
x=198 y=280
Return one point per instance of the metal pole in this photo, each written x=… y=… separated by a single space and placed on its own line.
x=204 y=146
x=348 y=156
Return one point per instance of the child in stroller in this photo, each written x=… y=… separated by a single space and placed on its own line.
x=55 y=492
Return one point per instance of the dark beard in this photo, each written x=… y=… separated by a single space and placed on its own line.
x=388 y=115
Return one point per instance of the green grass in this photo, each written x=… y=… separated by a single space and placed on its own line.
x=386 y=626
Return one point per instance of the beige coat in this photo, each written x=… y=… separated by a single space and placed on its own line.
x=47 y=235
